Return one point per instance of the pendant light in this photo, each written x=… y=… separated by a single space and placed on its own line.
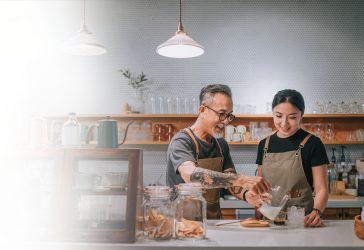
x=180 y=45
x=84 y=43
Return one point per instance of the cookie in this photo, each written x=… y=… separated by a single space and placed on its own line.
x=251 y=222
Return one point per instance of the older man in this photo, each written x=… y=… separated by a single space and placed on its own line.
x=200 y=154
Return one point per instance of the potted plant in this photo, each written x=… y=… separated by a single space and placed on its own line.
x=139 y=83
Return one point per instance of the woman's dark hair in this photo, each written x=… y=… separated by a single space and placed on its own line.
x=289 y=95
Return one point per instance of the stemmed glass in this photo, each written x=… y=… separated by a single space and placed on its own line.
x=318 y=130
x=329 y=131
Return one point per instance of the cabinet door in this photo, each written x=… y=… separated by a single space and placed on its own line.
x=228 y=214
x=350 y=213
x=332 y=214
x=33 y=182
x=102 y=188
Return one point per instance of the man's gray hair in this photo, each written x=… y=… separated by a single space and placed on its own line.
x=207 y=93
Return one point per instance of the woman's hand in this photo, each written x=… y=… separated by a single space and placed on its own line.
x=313 y=219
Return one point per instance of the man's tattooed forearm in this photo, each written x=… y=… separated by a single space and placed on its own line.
x=212 y=179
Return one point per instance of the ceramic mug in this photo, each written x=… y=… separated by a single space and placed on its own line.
x=228 y=137
x=236 y=137
x=241 y=129
x=229 y=130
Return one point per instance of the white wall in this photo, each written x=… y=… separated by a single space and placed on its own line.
x=256 y=47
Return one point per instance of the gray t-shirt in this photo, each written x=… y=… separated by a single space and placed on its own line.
x=182 y=148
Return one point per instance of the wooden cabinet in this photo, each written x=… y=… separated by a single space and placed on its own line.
x=340 y=213
x=95 y=194
x=228 y=214
x=344 y=126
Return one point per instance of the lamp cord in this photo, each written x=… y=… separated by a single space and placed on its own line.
x=180 y=11
x=84 y=12
x=180 y=26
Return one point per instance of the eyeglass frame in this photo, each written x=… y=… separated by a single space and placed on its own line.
x=222 y=116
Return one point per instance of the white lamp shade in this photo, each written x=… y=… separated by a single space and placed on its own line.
x=84 y=44
x=180 y=46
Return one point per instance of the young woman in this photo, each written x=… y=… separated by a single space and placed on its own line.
x=294 y=159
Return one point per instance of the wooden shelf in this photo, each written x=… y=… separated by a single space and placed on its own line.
x=141 y=116
x=344 y=124
x=240 y=143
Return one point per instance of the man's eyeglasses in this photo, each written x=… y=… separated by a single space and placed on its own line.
x=223 y=116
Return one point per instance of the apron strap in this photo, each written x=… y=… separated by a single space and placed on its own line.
x=302 y=144
x=218 y=144
x=189 y=132
x=266 y=146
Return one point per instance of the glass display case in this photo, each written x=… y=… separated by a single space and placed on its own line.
x=92 y=195
x=103 y=192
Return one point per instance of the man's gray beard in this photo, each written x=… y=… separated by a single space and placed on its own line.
x=215 y=134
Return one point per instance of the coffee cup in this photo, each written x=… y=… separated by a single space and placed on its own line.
x=281 y=218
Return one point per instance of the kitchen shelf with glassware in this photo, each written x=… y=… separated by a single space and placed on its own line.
x=246 y=129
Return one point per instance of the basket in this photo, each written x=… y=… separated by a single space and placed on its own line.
x=359 y=227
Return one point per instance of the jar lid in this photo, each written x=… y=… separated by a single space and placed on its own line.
x=185 y=188
x=157 y=190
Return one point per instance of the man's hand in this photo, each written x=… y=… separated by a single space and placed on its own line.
x=256 y=199
x=255 y=184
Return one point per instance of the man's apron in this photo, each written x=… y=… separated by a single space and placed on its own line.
x=212 y=196
x=286 y=170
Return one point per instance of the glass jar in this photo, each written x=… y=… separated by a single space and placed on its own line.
x=190 y=215
x=158 y=213
x=71 y=131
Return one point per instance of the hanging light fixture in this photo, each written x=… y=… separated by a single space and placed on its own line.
x=84 y=43
x=180 y=45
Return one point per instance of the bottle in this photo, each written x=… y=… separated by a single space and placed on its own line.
x=71 y=131
x=158 y=213
x=343 y=167
x=190 y=216
x=352 y=176
x=332 y=178
x=333 y=157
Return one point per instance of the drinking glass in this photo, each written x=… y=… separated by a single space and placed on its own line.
x=161 y=108
x=252 y=127
x=296 y=216
x=186 y=105
x=194 y=105
x=151 y=105
x=178 y=105
x=169 y=105
x=263 y=124
x=354 y=108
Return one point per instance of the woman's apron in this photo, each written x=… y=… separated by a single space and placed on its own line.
x=286 y=170
x=212 y=196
